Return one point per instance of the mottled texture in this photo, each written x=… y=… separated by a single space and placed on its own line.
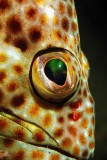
x=32 y=32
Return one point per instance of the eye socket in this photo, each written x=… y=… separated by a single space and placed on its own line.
x=55 y=74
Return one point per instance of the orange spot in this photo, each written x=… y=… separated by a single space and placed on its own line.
x=65 y=38
x=82 y=139
x=58 y=132
x=69 y=10
x=67 y=142
x=90 y=132
x=91 y=99
x=85 y=92
x=3 y=58
x=31 y=13
x=57 y=35
x=39 y=136
x=89 y=110
x=47 y=120
x=84 y=123
x=19 y=155
x=72 y=130
x=54 y=157
x=74 y=27
x=37 y=154
x=3 y=124
x=8 y=142
x=34 y=111
x=55 y=20
x=40 y=2
x=19 y=134
x=61 y=8
x=43 y=19
x=76 y=150
x=92 y=145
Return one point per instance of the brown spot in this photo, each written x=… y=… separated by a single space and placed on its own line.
x=2 y=76
x=19 y=134
x=58 y=132
x=85 y=92
x=3 y=124
x=65 y=24
x=31 y=13
x=76 y=150
x=71 y=1
x=12 y=86
x=35 y=34
x=37 y=154
x=61 y=7
x=69 y=10
x=47 y=120
x=73 y=131
x=74 y=116
x=82 y=139
x=84 y=123
x=18 y=100
x=85 y=153
x=4 y=4
x=18 y=69
x=21 y=43
x=34 y=111
x=1 y=96
x=61 y=120
x=74 y=26
x=67 y=142
x=43 y=19
x=39 y=136
x=8 y=142
x=54 y=157
x=14 y=25
x=19 y=155
x=91 y=145
x=76 y=104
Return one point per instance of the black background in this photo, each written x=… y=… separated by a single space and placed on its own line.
x=92 y=19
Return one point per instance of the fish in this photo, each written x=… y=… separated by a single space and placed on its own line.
x=46 y=109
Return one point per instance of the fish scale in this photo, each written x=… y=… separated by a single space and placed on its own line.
x=52 y=121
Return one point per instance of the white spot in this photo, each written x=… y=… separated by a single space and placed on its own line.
x=49 y=11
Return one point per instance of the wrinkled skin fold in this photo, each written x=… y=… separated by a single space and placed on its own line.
x=46 y=108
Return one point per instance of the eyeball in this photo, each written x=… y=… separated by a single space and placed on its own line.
x=55 y=74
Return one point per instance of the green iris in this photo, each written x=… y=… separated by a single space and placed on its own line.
x=56 y=71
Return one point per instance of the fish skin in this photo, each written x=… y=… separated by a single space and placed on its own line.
x=31 y=31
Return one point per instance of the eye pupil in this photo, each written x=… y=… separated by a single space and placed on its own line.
x=56 y=71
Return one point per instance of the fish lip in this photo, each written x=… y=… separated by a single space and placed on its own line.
x=54 y=148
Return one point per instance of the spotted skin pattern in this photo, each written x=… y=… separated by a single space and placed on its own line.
x=31 y=127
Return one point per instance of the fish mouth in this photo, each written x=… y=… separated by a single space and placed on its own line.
x=9 y=115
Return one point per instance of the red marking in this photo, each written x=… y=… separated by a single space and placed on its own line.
x=74 y=116
x=76 y=105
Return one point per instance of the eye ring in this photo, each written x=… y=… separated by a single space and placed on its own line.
x=46 y=87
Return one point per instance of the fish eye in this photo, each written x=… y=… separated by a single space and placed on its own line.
x=55 y=74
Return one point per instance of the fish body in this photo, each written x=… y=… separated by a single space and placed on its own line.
x=43 y=115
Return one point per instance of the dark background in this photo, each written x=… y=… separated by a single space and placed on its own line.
x=92 y=19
